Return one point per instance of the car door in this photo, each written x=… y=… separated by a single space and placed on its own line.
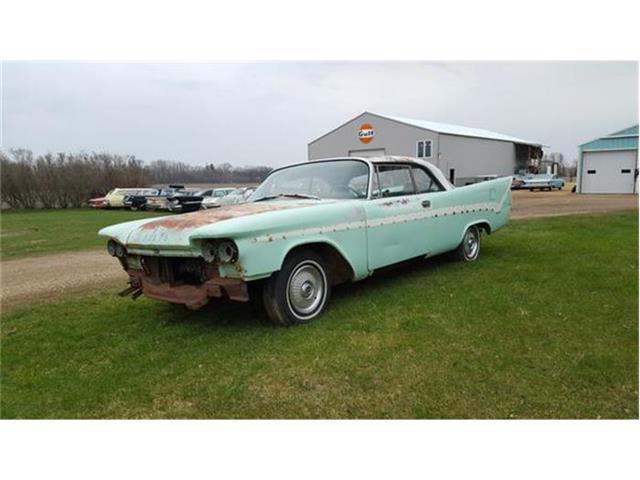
x=394 y=230
x=435 y=227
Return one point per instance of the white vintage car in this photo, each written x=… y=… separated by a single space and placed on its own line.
x=213 y=200
x=305 y=229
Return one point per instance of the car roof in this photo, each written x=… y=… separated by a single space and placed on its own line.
x=376 y=160
x=381 y=160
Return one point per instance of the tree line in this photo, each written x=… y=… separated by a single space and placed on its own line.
x=65 y=180
x=164 y=171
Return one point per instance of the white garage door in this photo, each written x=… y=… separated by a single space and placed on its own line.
x=371 y=152
x=608 y=172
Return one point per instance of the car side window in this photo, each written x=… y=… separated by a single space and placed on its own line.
x=394 y=180
x=425 y=182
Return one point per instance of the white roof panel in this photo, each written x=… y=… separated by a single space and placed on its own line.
x=458 y=130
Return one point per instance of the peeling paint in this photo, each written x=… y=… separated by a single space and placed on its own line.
x=208 y=217
x=396 y=203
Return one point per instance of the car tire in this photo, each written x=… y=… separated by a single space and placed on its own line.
x=300 y=291
x=469 y=248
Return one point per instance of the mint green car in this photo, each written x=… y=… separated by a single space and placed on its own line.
x=306 y=228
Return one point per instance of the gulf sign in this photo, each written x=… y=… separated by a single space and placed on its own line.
x=366 y=132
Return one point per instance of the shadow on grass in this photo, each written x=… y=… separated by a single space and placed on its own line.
x=218 y=313
x=224 y=312
x=388 y=276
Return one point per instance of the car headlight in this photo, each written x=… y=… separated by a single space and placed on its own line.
x=111 y=247
x=116 y=249
x=225 y=251
x=209 y=251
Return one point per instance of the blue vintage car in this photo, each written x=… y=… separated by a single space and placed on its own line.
x=306 y=228
x=544 y=181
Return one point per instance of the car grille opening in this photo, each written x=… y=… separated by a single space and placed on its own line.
x=176 y=271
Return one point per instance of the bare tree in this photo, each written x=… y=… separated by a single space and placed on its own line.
x=63 y=180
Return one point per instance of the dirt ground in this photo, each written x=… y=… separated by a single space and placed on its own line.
x=35 y=279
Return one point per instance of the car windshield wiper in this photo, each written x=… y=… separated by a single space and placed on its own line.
x=290 y=195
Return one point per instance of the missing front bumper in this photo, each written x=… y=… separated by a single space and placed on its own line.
x=190 y=282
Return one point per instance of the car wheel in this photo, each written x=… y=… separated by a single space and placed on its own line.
x=300 y=291
x=469 y=248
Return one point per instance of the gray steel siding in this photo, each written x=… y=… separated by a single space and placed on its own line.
x=471 y=157
x=394 y=137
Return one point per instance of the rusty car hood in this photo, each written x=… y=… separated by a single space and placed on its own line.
x=176 y=231
x=193 y=220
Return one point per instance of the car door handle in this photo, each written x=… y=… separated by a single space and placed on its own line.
x=426 y=203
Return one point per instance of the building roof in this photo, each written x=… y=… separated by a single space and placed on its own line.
x=626 y=139
x=447 y=129
x=458 y=130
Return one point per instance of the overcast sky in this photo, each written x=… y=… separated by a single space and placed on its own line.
x=266 y=113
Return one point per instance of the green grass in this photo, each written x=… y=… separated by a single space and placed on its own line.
x=544 y=325
x=34 y=232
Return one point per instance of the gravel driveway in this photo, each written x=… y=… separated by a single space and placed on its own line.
x=37 y=278
x=548 y=204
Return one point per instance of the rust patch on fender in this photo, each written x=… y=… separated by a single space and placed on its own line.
x=207 y=217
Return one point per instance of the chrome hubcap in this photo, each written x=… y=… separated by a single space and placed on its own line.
x=470 y=243
x=307 y=289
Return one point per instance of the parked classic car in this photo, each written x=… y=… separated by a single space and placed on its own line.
x=155 y=199
x=544 y=181
x=99 y=202
x=115 y=198
x=239 y=195
x=213 y=200
x=517 y=182
x=186 y=201
x=308 y=227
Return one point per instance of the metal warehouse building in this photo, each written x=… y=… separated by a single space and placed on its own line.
x=609 y=164
x=462 y=153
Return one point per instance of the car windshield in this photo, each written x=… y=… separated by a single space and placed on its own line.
x=339 y=179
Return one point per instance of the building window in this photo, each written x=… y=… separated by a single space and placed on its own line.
x=625 y=170
x=424 y=149
x=590 y=172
